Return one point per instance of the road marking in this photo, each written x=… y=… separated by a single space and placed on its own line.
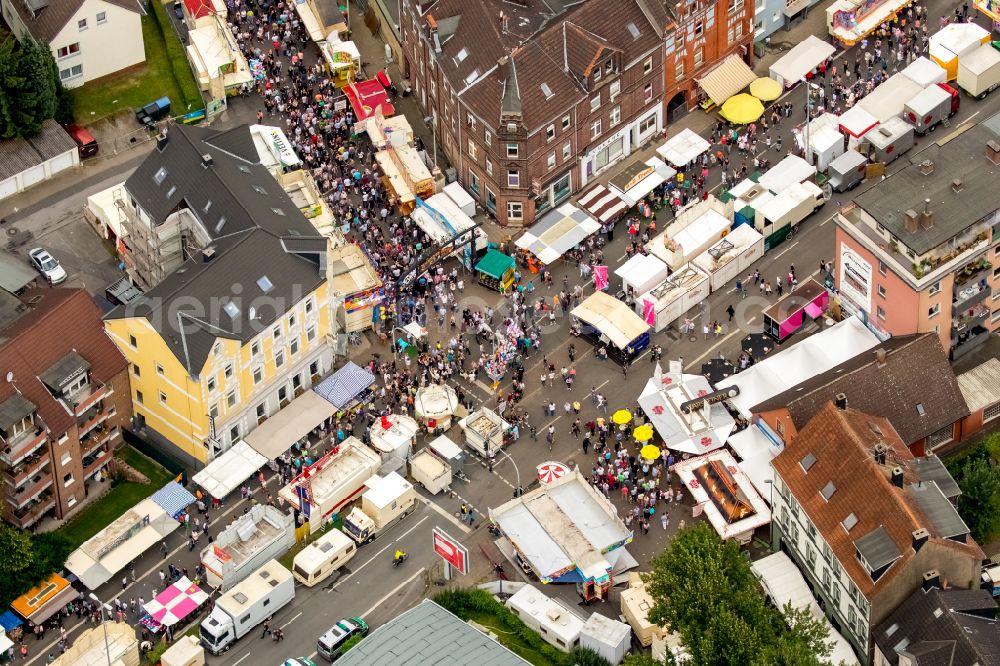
x=786 y=249
x=289 y=622
x=373 y=557
x=242 y=658
x=434 y=507
x=396 y=589
x=735 y=331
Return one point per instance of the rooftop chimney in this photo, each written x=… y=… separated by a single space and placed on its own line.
x=880 y=358
x=927 y=167
x=841 y=401
x=206 y=160
x=932 y=579
x=920 y=537
x=927 y=216
x=161 y=140
x=993 y=152
x=897 y=477
x=956 y=185
x=208 y=253
x=910 y=221
x=879 y=453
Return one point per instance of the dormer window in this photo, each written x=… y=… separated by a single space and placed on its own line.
x=76 y=385
x=69 y=376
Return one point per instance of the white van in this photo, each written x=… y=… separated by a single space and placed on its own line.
x=322 y=557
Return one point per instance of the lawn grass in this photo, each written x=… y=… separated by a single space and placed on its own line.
x=123 y=496
x=139 y=86
x=509 y=640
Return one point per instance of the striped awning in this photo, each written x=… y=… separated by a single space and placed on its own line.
x=173 y=498
x=602 y=203
x=345 y=384
x=728 y=78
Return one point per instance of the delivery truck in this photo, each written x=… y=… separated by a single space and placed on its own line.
x=930 y=106
x=979 y=71
x=266 y=591
x=388 y=499
x=847 y=171
x=778 y=218
x=888 y=141
x=261 y=534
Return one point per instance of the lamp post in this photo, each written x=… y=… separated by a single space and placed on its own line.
x=519 y=490
x=104 y=626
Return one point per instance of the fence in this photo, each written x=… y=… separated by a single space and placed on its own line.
x=147 y=448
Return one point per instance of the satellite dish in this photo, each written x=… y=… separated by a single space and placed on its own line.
x=10 y=377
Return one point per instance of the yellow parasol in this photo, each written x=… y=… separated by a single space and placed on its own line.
x=765 y=89
x=742 y=109
x=650 y=452
x=643 y=433
x=621 y=417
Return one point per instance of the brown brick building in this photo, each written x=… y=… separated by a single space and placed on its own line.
x=534 y=100
x=63 y=401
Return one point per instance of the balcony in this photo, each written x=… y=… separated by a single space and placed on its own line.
x=967 y=341
x=93 y=463
x=23 y=444
x=31 y=491
x=30 y=516
x=967 y=318
x=972 y=273
x=26 y=469
x=969 y=296
x=87 y=397
x=91 y=419
x=96 y=438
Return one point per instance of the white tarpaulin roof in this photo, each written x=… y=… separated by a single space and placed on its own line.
x=277 y=434
x=756 y=452
x=436 y=227
x=113 y=548
x=700 y=431
x=802 y=59
x=221 y=476
x=793 y=169
x=805 y=359
x=726 y=79
x=661 y=172
x=683 y=148
x=887 y=99
x=558 y=231
x=857 y=122
x=642 y=272
x=310 y=21
x=743 y=506
x=611 y=317
x=784 y=583
x=925 y=72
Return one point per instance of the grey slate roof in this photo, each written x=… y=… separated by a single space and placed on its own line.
x=930 y=468
x=962 y=158
x=17 y=155
x=877 y=548
x=952 y=627
x=428 y=634
x=942 y=513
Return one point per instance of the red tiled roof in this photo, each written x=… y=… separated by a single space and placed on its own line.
x=63 y=320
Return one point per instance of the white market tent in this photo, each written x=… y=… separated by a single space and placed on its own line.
x=804 y=57
x=683 y=148
x=277 y=434
x=887 y=99
x=310 y=21
x=732 y=256
x=857 y=122
x=784 y=584
x=727 y=78
x=925 y=72
x=756 y=452
x=639 y=179
x=685 y=288
x=273 y=148
x=642 y=272
x=745 y=508
x=559 y=230
x=451 y=223
x=611 y=317
x=692 y=232
x=698 y=432
x=826 y=144
x=113 y=548
x=224 y=474
x=789 y=171
x=807 y=358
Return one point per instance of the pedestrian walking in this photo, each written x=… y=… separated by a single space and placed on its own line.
x=267 y=629
x=731 y=311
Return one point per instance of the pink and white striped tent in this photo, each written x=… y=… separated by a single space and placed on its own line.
x=176 y=602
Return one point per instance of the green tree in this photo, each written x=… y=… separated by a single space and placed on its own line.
x=30 y=89
x=704 y=590
x=41 y=76
x=15 y=551
x=979 y=503
x=14 y=118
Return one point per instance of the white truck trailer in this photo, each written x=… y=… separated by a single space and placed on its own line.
x=388 y=499
x=780 y=215
x=261 y=534
x=979 y=71
x=431 y=472
x=237 y=612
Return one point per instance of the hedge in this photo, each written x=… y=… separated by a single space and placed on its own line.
x=179 y=64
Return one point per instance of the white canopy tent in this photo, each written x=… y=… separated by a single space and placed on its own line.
x=789 y=171
x=701 y=431
x=683 y=148
x=558 y=231
x=435 y=226
x=857 y=122
x=638 y=180
x=925 y=72
x=611 y=317
x=756 y=451
x=784 y=584
x=641 y=273
x=805 y=359
x=692 y=232
x=277 y=434
x=803 y=58
x=221 y=476
x=887 y=100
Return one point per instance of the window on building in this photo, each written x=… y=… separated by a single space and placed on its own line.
x=102 y=18
x=163 y=398
x=880 y=312
x=595 y=129
x=597 y=74
x=261 y=410
x=513 y=178
x=616 y=87
x=234 y=434
x=135 y=370
x=735 y=6
x=882 y=268
x=934 y=288
x=511 y=150
x=211 y=384
x=942 y=436
x=934 y=311
x=615 y=116
x=81 y=25
x=739 y=30
x=276 y=332
x=258 y=375
x=595 y=103
x=311 y=333
x=550 y=132
x=489 y=167
x=699 y=58
x=648 y=123
x=159 y=369
x=297 y=381
x=470 y=120
x=138 y=397
x=568 y=150
x=132 y=342
x=67 y=51
x=515 y=210
x=491 y=200
x=231 y=399
x=991 y=412
x=228 y=371
x=551 y=161
x=68 y=480
x=472 y=149
x=279 y=358
x=309 y=305
x=647 y=65
x=679 y=68
x=255 y=349
x=293 y=347
x=731 y=35
x=881 y=291
x=565 y=122
x=473 y=182
x=488 y=138
x=282 y=393
x=213 y=411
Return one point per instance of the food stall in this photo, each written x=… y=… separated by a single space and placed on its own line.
x=348 y=388
x=405 y=175
x=484 y=431
x=178 y=601
x=805 y=303
x=451 y=453
x=434 y=405
x=274 y=149
x=496 y=271
x=683 y=148
x=693 y=231
x=731 y=257
x=952 y=42
x=394 y=436
x=45 y=599
x=461 y=197
x=608 y=321
x=602 y=204
x=385 y=132
x=724 y=495
x=889 y=97
x=640 y=178
x=430 y=471
x=641 y=273
x=683 y=290
x=352 y=276
x=789 y=171
x=925 y=72
x=857 y=123
x=367 y=96
x=826 y=141
x=800 y=61
x=556 y=232
x=685 y=412
x=849 y=21
x=342 y=61
x=748 y=197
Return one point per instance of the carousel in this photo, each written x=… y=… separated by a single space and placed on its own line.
x=434 y=405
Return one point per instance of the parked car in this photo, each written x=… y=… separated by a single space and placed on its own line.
x=85 y=141
x=47 y=265
x=332 y=642
x=299 y=661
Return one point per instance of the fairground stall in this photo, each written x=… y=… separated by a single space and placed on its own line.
x=354 y=279
x=348 y=388
x=850 y=21
x=405 y=175
x=453 y=232
x=312 y=17
x=925 y=72
x=342 y=60
x=684 y=148
x=725 y=80
x=610 y=323
x=724 y=495
x=857 y=123
x=114 y=643
x=394 y=436
x=461 y=198
x=953 y=41
x=367 y=96
x=557 y=232
x=889 y=97
x=274 y=149
x=484 y=431
x=226 y=472
x=640 y=178
x=800 y=61
x=44 y=600
x=385 y=132
x=756 y=446
x=747 y=197
x=731 y=258
x=566 y=532
x=216 y=59
x=825 y=140
x=178 y=601
x=669 y=300
x=602 y=204
x=434 y=406
x=692 y=232
x=496 y=271
x=641 y=273
x=291 y=424
x=789 y=171
x=793 y=312
x=685 y=411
